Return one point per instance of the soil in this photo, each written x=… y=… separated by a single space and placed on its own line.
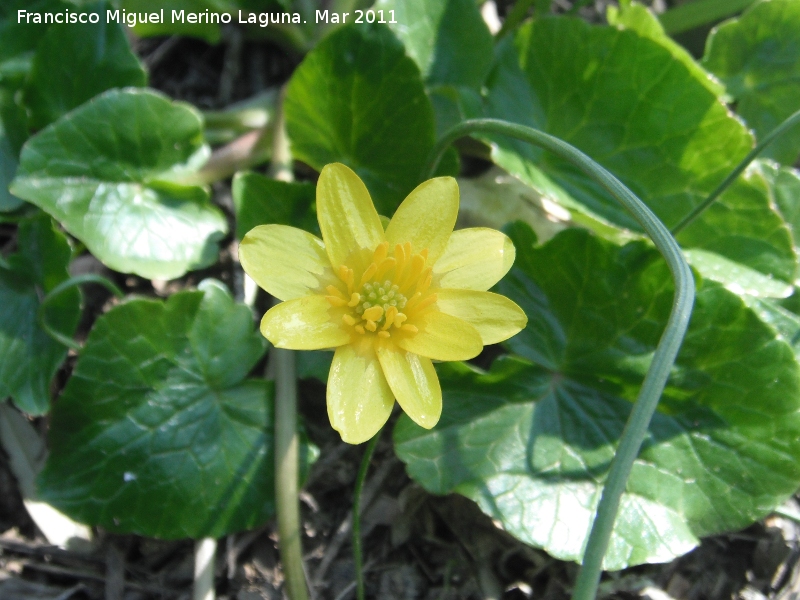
x=417 y=546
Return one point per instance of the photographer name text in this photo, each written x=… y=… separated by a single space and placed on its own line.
x=132 y=19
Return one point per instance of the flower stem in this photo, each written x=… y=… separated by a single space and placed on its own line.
x=358 y=557
x=287 y=442
x=666 y=351
x=768 y=139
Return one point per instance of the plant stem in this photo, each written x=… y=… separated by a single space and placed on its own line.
x=287 y=442
x=790 y=121
x=666 y=351
x=204 y=551
x=358 y=557
x=61 y=288
x=701 y=12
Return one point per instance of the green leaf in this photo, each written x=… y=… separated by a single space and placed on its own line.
x=532 y=443
x=757 y=57
x=448 y=39
x=650 y=119
x=29 y=358
x=18 y=40
x=8 y=168
x=259 y=200
x=158 y=432
x=638 y=18
x=118 y=188
x=358 y=99
x=74 y=62
x=785 y=185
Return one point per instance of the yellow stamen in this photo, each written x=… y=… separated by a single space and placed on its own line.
x=383 y=334
x=424 y=281
x=360 y=329
x=409 y=329
x=371 y=325
x=346 y=275
x=348 y=319
x=391 y=313
x=400 y=255
x=387 y=264
x=417 y=264
x=424 y=254
x=427 y=302
x=373 y=313
x=354 y=299
x=335 y=300
x=399 y=319
x=380 y=253
x=413 y=300
x=334 y=291
x=368 y=274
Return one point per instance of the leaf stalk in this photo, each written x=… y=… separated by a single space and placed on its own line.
x=666 y=351
x=790 y=121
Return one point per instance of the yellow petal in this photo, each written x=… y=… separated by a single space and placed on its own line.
x=494 y=316
x=359 y=397
x=426 y=217
x=347 y=218
x=414 y=383
x=285 y=261
x=443 y=337
x=303 y=324
x=475 y=259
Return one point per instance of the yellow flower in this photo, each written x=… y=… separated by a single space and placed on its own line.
x=387 y=301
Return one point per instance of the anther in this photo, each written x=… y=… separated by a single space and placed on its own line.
x=371 y=325
x=360 y=329
x=354 y=299
x=427 y=302
x=334 y=291
x=348 y=319
x=380 y=253
x=335 y=300
x=373 y=313
x=409 y=329
x=391 y=313
x=368 y=274
x=383 y=334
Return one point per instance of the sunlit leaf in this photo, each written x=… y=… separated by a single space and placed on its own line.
x=757 y=57
x=358 y=99
x=119 y=187
x=531 y=443
x=158 y=431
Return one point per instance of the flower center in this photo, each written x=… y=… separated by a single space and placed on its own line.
x=391 y=291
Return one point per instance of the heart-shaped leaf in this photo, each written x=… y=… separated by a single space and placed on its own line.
x=649 y=117
x=76 y=61
x=158 y=431
x=112 y=173
x=358 y=99
x=532 y=442
x=28 y=356
x=757 y=57
x=260 y=200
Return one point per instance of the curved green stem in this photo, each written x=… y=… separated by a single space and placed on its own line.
x=666 y=351
x=358 y=557
x=751 y=156
x=60 y=289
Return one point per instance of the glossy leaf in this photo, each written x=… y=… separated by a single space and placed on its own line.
x=29 y=358
x=260 y=200
x=757 y=57
x=448 y=39
x=118 y=188
x=158 y=432
x=785 y=185
x=358 y=99
x=74 y=62
x=653 y=121
x=532 y=443
x=8 y=168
